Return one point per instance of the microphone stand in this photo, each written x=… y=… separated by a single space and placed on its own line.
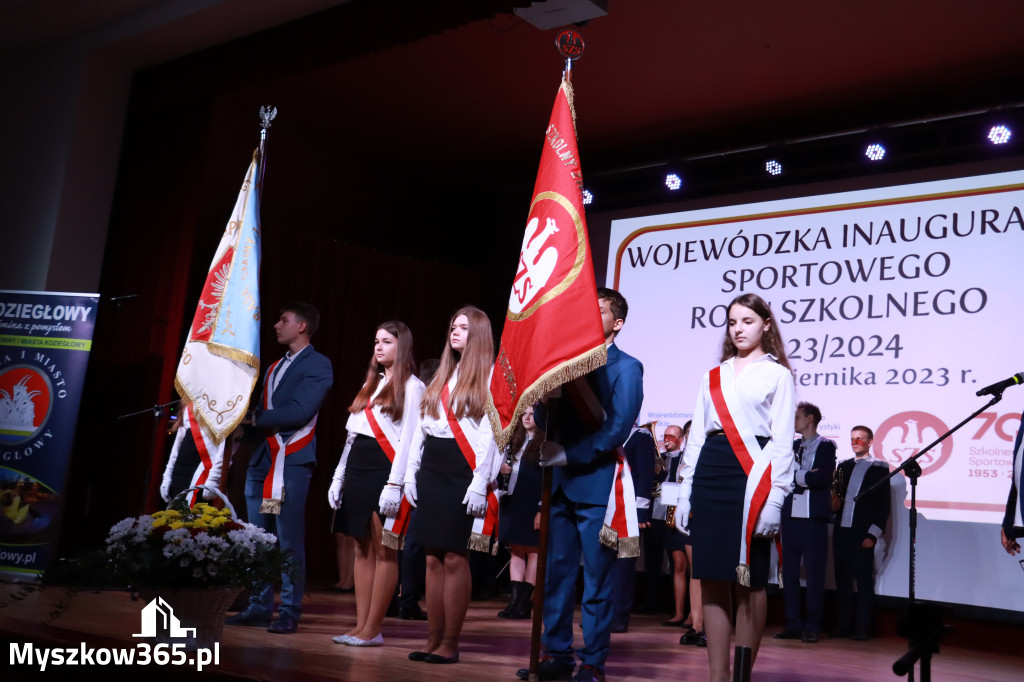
x=922 y=625
x=158 y=413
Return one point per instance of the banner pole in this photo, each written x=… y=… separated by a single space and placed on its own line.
x=267 y=114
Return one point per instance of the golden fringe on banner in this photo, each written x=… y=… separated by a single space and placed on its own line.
x=779 y=575
x=743 y=575
x=393 y=540
x=235 y=354
x=271 y=506
x=562 y=374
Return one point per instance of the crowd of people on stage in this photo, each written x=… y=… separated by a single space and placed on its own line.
x=421 y=482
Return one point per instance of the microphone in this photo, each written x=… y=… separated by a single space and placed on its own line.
x=1001 y=386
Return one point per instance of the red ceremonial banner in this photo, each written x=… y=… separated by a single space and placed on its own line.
x=553 y=332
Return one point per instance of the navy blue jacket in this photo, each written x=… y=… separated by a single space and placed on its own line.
x=587 y=477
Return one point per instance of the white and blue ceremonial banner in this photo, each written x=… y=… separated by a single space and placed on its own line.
x=221 y=359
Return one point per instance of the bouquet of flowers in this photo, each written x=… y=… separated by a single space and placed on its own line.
x=181 y=547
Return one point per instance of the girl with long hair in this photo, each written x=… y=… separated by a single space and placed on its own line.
x=738 y=469
x=452 y=461
x=382 y=420
x=519 y=518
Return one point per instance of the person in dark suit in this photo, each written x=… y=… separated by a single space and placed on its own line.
x=1013 y=520
x=806 y=514
x=279 y=472
x=859 y=524
x=641 y=452
x=579 y=499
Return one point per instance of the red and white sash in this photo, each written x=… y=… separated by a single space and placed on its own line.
x=621 y=531
x=273 y=484
x=394 y=528
x=756 y=464
x=210 y=454
x=486 y=528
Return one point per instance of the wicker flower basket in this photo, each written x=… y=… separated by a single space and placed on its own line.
x=201 y=608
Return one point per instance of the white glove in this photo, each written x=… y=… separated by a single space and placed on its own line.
x=410 y=490
x=476 y=504
x=682 y=517
x=334 y=493
x=770 y=519
x=165 y=486
x=211 y=485
x=390 y=500
x=552 y=455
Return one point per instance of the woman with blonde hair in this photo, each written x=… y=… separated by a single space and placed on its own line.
x=452 y=462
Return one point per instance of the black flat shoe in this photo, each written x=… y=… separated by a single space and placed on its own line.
x=676 y=624
x=434 y=658
x=418 y=656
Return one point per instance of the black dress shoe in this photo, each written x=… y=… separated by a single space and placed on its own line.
x=550 y=668
x=418 y=656
x=810 y=637
x=434 y=658
x=788 y=634
x=619 y=628
x=249 y=618
x=588 y=673
x=284 y=625
x=411 y=613
x=860 y=636
x=676 y=624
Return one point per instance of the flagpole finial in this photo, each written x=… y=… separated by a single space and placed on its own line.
x=267 y=114
x=570 y=46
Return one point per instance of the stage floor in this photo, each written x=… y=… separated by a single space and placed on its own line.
x=491 y=648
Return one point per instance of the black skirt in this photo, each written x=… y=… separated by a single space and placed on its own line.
x=441 y=483
x=366 y=473
x=517 y=510
x=716 y=521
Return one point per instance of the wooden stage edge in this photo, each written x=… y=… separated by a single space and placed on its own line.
x=491 y=648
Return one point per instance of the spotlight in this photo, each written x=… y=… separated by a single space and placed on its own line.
x=588 y=198
x=875 y=152
x=999 y=134
x=673 y=181
x=773 y=167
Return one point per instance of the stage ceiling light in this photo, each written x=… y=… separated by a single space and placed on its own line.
x=999 y=134
x=588 y=198
x=673 y=181
x=773 y=167
x=875 y=152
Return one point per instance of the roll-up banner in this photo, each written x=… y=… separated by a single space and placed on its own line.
x=45 y=339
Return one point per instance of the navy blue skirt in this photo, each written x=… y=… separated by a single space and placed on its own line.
x=441 y=483
x=517 y=510
x=716 y=522
x=366 y=473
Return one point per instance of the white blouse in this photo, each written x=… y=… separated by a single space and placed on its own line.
x=478 y=432
x=766 y=393
x=399 y=432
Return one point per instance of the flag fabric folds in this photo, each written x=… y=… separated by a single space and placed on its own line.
x=221 y=359
x=553 y=331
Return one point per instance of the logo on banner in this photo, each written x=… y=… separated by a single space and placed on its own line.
x=26 y=398
x=552 y=255
x=905 y=434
